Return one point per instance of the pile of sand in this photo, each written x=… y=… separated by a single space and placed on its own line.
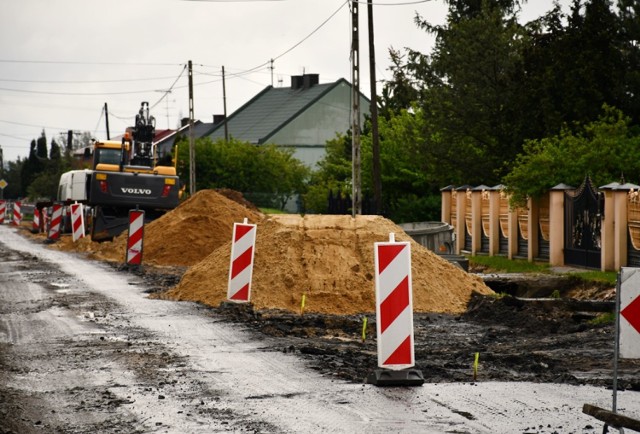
x=327 y=258
x=330 y=259
x=183 y=236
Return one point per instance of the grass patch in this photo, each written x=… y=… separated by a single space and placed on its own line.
x=272 y=211
x=502 y=264
x=608 y=277
x=605 y=318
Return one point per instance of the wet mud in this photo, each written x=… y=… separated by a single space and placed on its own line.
x=102 y=380
x=563 y=340
x=95 y=372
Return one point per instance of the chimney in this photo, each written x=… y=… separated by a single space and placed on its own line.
x=184 y=122
x=218 y=119
x=309 y=80
x=296 y=82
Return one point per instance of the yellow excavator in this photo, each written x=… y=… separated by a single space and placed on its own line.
x=124 y=176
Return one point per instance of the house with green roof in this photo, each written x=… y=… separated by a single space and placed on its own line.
x=302 y=117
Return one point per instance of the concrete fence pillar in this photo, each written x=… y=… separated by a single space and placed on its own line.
x=494 y=221
x=445 y=210
x=476 y=219
x=556 y=224
x=620 y=217
x=461 y=213
x=607 y=231
x=533 y=221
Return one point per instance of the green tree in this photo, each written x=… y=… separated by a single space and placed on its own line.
x=572 y=69
x=30 y=169
x=13 y=175
x=55 y=153
x=605 y=149
x=45 y=184
x=333 y=175
x=266 y=174
x=41 y=146
x=471 y=90
x=465 y=9
x=408 y=173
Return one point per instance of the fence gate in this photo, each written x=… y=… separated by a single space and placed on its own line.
x=582 y=227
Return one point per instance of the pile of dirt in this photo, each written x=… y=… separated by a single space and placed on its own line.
x=183 y=236
x=330 y=260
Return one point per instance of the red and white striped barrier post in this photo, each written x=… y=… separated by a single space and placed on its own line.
x=3 y=210
x=394 y=312
x=44 y=216
x=77 y=221
x=17 y=213
x=135 y=237
x=35 y=226
x=241 y=268
x=56 y=220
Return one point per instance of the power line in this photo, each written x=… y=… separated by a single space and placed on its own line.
x=184 y=67
x=41 y=92
x=11 y=80
x=23 y=124
x=310 y=34
x=74 y=62
x=13 y=137
x=235 y=1
x=394 y=4
x=237 y=74
x=255 y=68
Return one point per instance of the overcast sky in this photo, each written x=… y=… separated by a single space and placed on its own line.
x=62 y=60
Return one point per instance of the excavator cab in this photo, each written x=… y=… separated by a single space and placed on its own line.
x=143 y=134
x=107 y=156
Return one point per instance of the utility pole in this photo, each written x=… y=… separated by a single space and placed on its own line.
x=192 y=150
x=69 y=141
x=356 y=201
x=224 y=105
x=375 y=146
x=271 y=68
x=106 y=120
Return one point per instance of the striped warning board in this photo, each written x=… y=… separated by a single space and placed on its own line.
x=135 y=237
x=56 y=220
x=629 y=314
x=241 y=268
x=3 y=210
x=17 y=213
x=394 y=304
x=77 y=221
x=35 y=227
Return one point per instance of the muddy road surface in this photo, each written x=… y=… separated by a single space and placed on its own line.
x=84 y=349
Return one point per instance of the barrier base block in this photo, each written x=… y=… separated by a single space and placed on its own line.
x=387 y=377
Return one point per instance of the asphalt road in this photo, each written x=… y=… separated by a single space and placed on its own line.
x=82 y=349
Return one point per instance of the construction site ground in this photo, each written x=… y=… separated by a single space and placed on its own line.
x=98 y=346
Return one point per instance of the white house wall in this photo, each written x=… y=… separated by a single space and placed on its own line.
x=327 y=117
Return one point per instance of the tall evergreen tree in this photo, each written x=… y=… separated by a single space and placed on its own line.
x=41 y=150
x=55 y=153
x=470 y=90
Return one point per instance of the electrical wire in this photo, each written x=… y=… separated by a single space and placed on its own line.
x=40 y=92
x=392 y=4
x=73 y=62
x=310 y=34
x=255 y=68
x=11 y=80
x=168 y=91
x=98 y=123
